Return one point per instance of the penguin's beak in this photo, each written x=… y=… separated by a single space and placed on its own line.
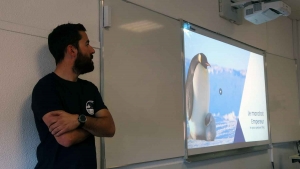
x=207 y=64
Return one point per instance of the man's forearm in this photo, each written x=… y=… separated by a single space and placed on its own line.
x=101 y=126
x=72 y=137
x=61 y=122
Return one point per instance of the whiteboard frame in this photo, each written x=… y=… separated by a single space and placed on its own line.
x=192 y=155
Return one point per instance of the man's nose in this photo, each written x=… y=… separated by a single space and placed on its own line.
x=92 y=50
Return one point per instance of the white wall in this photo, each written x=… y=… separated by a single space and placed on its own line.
x=24 y=27
x=46 y=15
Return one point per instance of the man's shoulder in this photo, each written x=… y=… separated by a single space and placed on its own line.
x=47 y=80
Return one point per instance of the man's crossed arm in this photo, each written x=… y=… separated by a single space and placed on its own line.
x=64 y=126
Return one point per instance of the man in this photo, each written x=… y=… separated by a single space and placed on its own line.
x=69 y=111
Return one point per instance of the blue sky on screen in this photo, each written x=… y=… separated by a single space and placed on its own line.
x=217 y=52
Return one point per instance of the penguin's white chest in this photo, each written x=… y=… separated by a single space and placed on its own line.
x=200 y=102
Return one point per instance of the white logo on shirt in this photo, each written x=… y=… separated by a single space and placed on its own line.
x=90 y=107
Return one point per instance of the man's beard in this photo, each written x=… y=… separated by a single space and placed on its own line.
x=83 y=64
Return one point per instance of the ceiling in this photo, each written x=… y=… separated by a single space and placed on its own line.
x=295 y=6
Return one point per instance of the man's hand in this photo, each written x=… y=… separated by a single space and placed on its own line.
x=60 y=122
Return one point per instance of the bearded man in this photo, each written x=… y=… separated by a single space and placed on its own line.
x=69 y=111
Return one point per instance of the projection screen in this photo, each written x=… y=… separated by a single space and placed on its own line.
x=225 y=93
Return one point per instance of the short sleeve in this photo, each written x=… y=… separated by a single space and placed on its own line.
x=45 y=99
x=99 y=104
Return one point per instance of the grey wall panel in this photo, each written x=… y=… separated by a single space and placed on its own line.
x=283 y=99
x=143 y=85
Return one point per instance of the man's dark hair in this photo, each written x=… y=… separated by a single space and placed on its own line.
x=61 y=37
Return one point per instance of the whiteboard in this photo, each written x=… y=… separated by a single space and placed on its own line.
x=143 y=88
x=283 y=99
x=143 y=85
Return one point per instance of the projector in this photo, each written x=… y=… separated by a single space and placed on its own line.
x=261 y=12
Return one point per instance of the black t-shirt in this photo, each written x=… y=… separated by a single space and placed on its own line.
x=82 y=97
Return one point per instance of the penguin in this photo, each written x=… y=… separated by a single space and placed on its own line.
x=201 y=122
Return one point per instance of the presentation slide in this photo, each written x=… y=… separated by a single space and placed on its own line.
x=225 y=93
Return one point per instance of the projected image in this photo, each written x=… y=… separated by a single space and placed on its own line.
x=225 y=93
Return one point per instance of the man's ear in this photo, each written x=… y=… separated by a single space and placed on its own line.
x=71 y=51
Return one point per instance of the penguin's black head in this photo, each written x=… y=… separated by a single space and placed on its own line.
x=203 y=60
